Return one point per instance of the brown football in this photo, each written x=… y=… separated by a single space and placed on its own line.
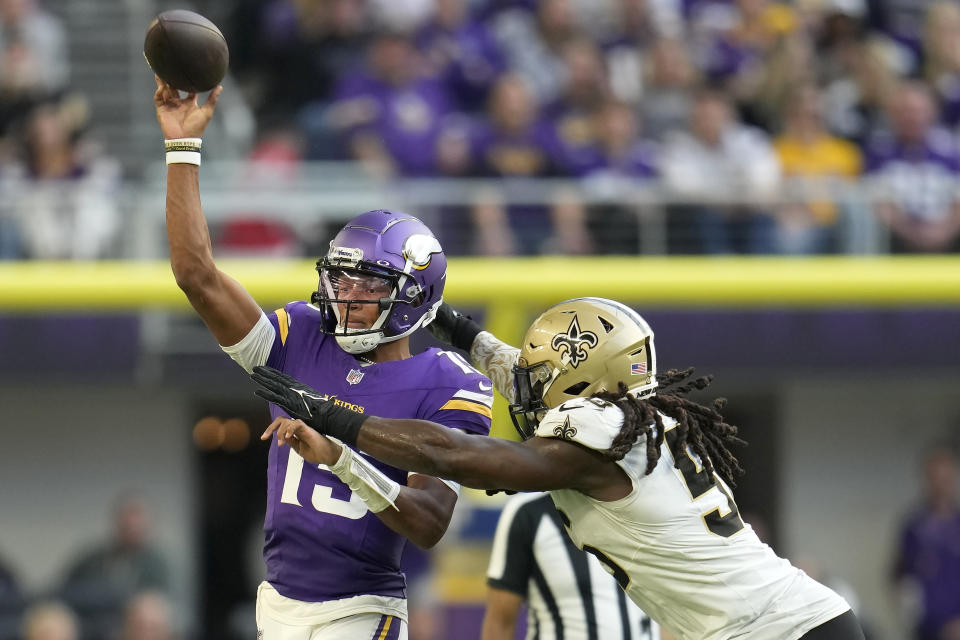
x=186 y=50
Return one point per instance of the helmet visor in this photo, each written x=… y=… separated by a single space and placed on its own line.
x=357 y=298
x=528 y=388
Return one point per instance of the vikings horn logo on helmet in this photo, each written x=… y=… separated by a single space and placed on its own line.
x=575 y=342
x=419 y=250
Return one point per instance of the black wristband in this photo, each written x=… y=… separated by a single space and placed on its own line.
x=341 y=423
x=465 y=330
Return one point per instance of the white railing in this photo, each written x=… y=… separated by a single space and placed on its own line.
x=322 y=192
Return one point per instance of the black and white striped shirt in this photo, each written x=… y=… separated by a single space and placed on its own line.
x=570 y=595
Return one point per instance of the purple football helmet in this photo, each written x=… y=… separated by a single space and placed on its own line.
x=395 y=261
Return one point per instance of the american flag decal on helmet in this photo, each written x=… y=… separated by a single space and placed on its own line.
x=638 y=368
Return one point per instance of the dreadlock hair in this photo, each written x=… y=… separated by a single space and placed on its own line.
x=699 y=426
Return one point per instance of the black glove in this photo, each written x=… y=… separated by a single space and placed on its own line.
x=307 y=404
x=454 y=328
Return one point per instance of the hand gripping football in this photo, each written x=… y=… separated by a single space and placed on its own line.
x=186 y=50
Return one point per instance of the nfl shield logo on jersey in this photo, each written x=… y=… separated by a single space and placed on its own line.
x=355 y=376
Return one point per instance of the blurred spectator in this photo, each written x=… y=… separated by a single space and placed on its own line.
x=855 y=75
x=812 y=158
x=100 y=581
x=610 y=171
x=733 y=39
x=11 y=603
x=49 y=621
x=400 y=15
x=33 y=58
x=462 y=52
x=790 y=63
x=274 y=162
x=668 y=88
x=900 y=25
x=533 y=44
x=290 y=53
x=585 y=89
x=625 y=29
x=391 y=114
x=927 y=559
x=942 y=58
x=63 y=194
x=914 y=168
x=147 y=617
x=727 y=175
x=518 y=144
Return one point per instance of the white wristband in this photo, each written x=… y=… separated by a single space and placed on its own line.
x=183 y=150
x=183 y=157
x=372 y=485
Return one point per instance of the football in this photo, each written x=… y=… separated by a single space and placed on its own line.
x=186 y=50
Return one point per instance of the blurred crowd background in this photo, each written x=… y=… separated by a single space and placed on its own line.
x=512 y=127
x=609 y=126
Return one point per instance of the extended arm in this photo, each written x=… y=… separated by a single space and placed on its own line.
x=539 y=464
x=222 y=303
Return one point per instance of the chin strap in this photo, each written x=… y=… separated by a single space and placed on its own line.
x=357 y=344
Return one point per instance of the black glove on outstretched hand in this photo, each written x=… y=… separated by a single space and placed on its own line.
x=454 y=328
x=305 y=403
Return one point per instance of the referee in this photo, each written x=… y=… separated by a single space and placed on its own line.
x=570 y=595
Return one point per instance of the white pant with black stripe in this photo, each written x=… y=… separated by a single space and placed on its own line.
x=271 y=625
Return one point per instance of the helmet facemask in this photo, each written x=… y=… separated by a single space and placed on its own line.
x=345 y=291
x=349 y=292
x=529 y=385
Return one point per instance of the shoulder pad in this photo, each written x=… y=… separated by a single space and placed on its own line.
x=590 y=422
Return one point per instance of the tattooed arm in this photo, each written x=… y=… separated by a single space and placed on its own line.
x=496 y=359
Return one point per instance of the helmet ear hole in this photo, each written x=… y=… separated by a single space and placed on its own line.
x=576 y=389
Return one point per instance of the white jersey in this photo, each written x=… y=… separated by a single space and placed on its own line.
x=677 y=544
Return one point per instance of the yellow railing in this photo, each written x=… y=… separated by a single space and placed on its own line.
x=505 y=285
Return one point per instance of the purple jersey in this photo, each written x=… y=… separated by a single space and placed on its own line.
x=639 y=161
x=920 y=179
x=930 y=555
x=407 y=120
x=321 y=542
x=528 y=154
x=467 y=59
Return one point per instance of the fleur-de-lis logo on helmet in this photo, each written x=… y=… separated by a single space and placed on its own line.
x=565 y=430
x=575 y=342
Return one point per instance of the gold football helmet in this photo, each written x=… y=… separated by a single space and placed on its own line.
x=578 y=348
